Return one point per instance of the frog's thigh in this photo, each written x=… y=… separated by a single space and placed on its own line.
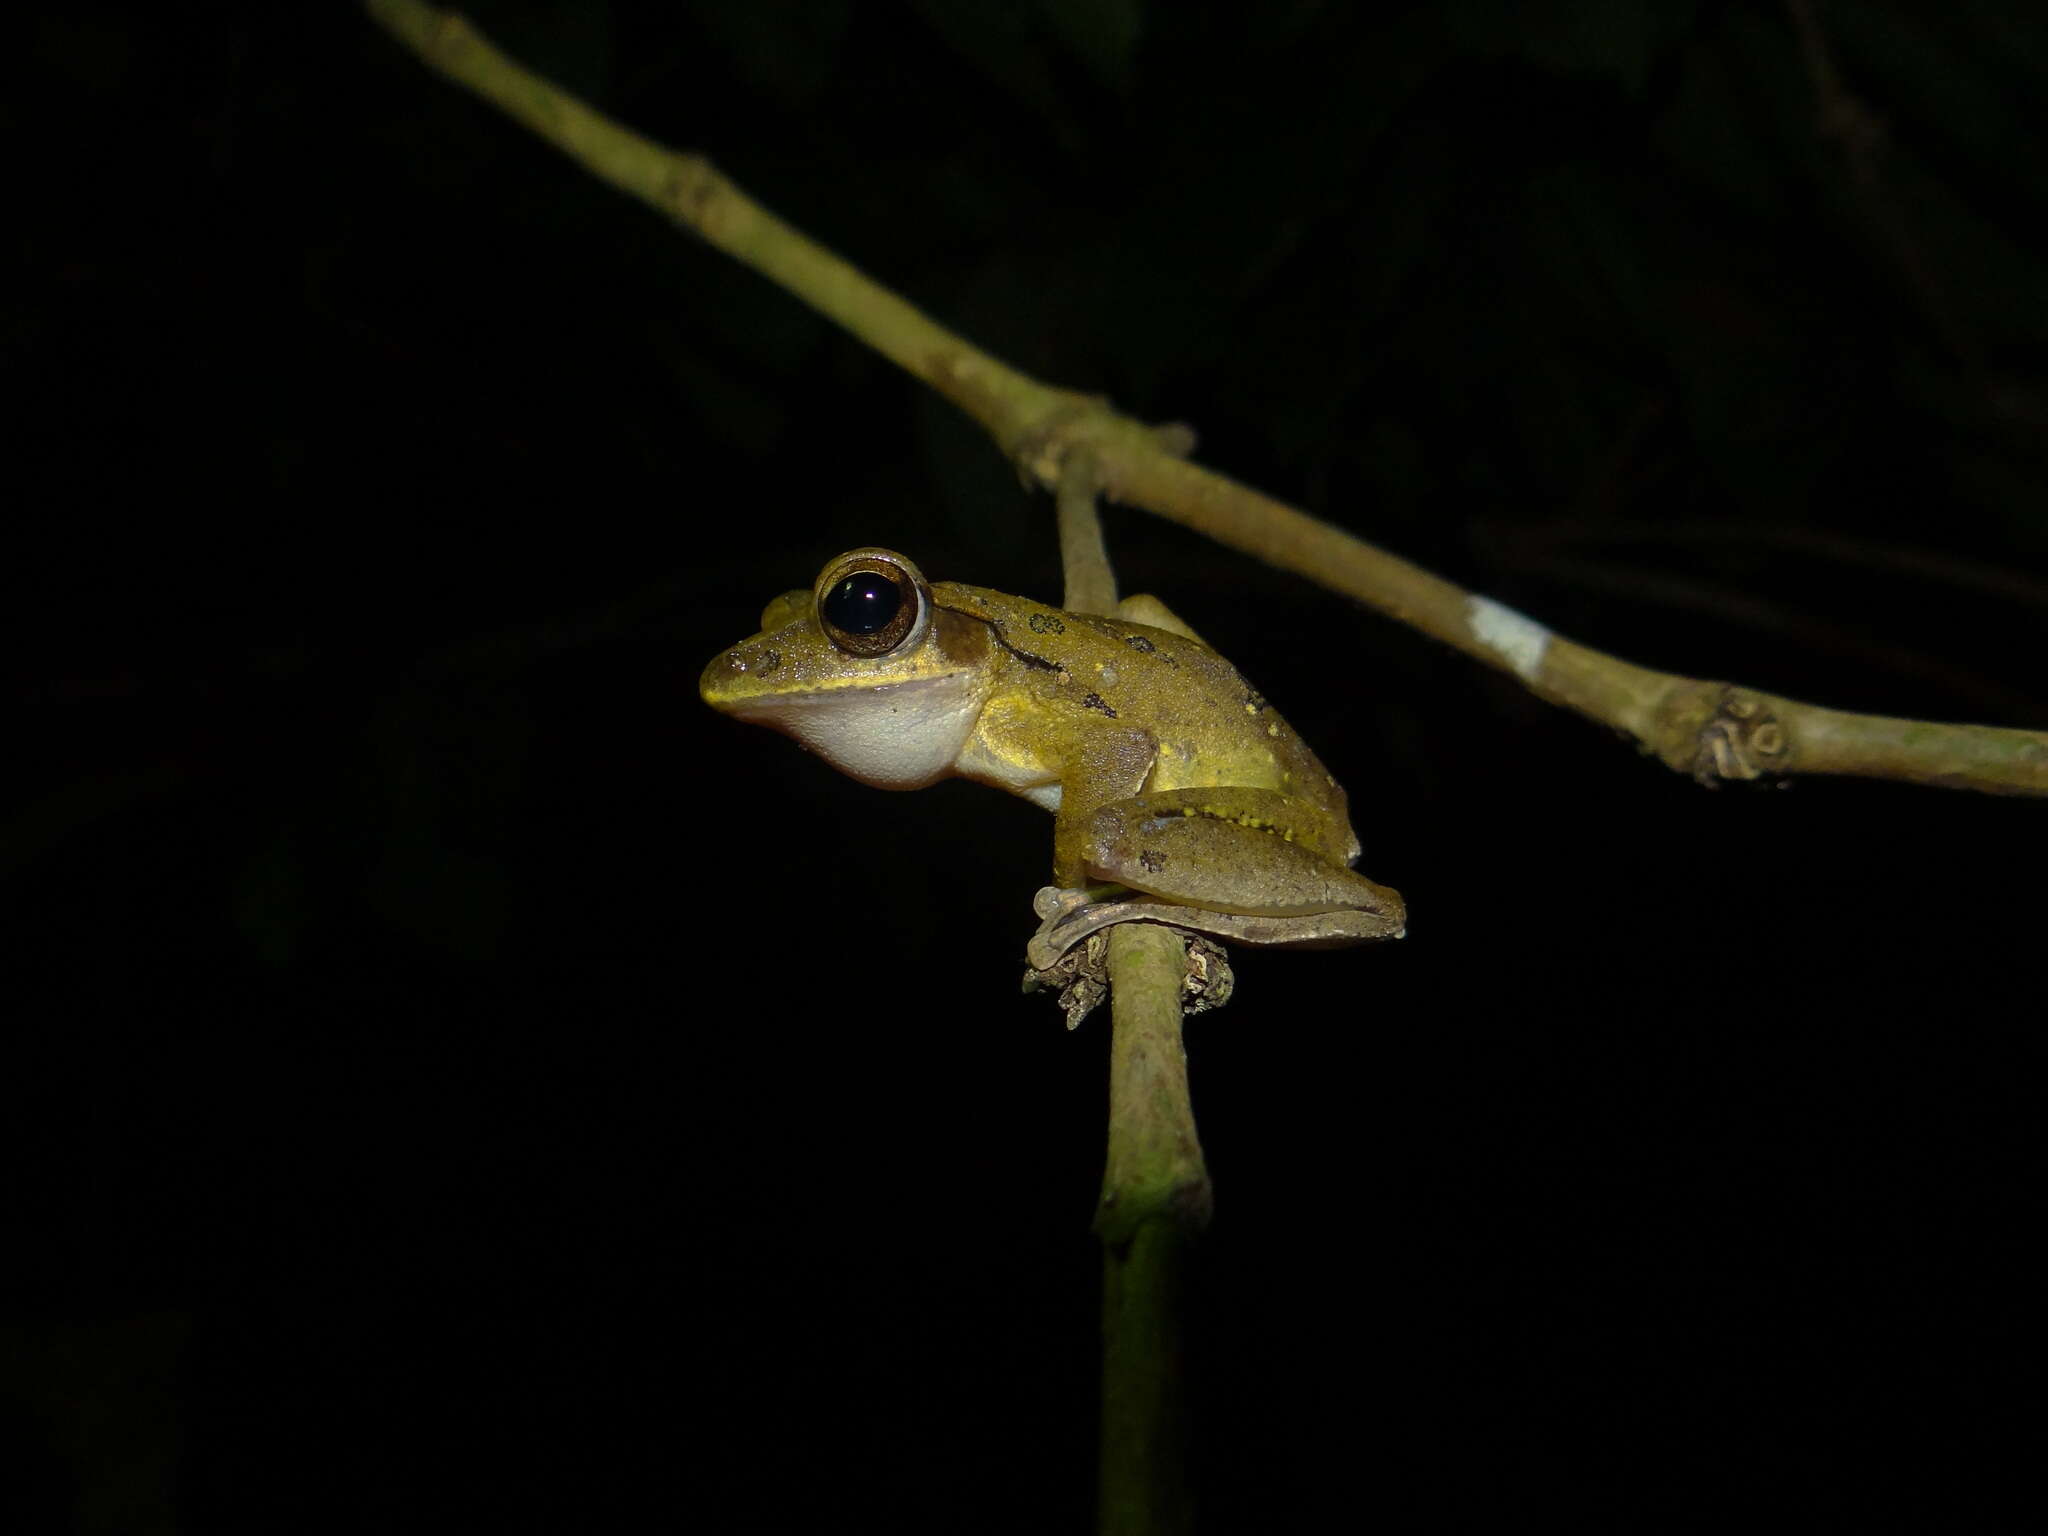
x=1224 y=849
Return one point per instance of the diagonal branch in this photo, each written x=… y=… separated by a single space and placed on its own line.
x=1709 y=729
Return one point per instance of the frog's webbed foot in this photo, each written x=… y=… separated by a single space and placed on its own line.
x=1077 y=960
x=1068 y=917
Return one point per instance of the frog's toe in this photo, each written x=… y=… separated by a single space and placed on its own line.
x=1053 y=901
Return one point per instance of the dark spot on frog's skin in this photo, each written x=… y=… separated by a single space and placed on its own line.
x=769 y=662
x=1151 y=860
x=1047 y=624
x=1254 y=701
x=1096 y=701
x=1140 y=644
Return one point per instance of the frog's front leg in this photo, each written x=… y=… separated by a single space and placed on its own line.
x=1110 y=765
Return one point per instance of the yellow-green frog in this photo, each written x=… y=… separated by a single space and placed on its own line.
x=1165 y=771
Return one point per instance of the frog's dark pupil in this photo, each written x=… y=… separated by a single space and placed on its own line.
x=863 y=603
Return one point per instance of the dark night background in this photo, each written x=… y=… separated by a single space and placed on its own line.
x=454 y=1081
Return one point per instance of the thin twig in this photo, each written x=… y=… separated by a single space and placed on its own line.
x=1084 y=559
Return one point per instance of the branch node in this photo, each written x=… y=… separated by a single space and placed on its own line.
x=1718 y=731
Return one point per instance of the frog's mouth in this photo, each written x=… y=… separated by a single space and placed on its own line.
x=891 y=735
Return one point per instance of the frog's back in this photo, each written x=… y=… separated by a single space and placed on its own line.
x=1211 y=726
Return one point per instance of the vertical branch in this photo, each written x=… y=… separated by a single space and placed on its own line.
x=1091 y=584
x=1155 y=1186
x=1155 y=1201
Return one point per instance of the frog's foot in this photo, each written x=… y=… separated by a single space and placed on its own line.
x=1080 y=973
x=1069 y=916
x=1053 y=902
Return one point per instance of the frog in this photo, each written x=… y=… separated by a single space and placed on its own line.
x=1179 y=794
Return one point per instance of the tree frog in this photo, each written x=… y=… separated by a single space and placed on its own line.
x=1166 y=772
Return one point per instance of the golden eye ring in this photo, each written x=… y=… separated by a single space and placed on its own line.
x=871 y=602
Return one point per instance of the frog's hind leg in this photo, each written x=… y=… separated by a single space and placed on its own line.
x=1248 y=851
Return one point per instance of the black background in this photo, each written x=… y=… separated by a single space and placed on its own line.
x=456 y=1081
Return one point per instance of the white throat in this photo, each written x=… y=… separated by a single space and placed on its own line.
x=892 y=736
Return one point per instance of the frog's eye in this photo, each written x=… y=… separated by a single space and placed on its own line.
x=871 y=602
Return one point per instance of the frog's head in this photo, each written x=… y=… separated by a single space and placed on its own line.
x=864 y=669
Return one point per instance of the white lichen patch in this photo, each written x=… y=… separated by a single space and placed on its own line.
x=1514 y=637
